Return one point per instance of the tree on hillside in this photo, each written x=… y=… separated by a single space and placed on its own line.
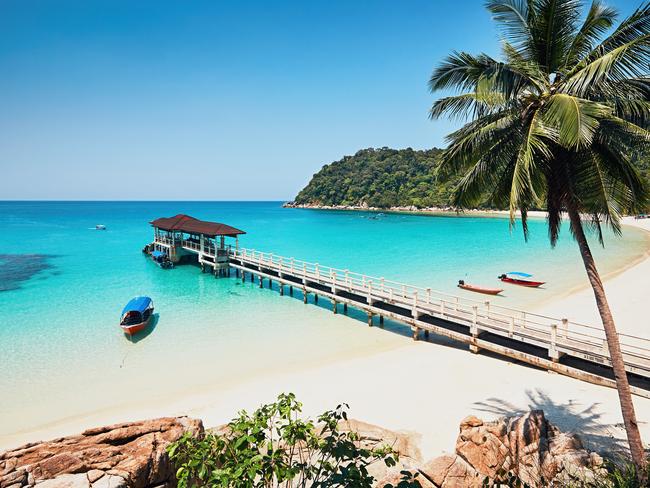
x=555 y=125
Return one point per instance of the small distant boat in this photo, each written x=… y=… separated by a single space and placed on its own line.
x=136 y=315
x=161 y=259
x=519 y=278
x=100 y=227
x=479 y=289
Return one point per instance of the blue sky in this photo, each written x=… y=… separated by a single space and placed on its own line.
x=215 y=100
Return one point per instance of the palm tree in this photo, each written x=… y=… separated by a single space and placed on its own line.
x=556 y=125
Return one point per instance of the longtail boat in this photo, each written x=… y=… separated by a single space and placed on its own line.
x=519 y=278
x=136 y=315
x=479 y=289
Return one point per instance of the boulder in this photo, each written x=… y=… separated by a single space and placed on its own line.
x=451 y=471
x=129 y=454
x=527 y=446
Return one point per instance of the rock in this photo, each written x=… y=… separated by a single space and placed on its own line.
x=394 y=478
x=129 y=454
x=110 y=481
x=405 y=444
x=79 y=480
x=527 y=446
x=373 y=436
x=452 y=472
x=436 y=470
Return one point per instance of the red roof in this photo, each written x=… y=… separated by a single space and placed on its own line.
x=190 y=225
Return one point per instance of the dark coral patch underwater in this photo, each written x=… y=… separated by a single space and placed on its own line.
x=17 y=268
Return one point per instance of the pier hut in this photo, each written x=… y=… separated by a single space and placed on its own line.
x=184 y=238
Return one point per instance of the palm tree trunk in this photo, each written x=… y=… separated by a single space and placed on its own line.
x=622 y=384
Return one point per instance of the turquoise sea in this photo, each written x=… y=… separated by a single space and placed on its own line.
x=63 y=285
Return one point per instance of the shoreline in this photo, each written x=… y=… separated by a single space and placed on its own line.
x=364 y=379
x=427 y=211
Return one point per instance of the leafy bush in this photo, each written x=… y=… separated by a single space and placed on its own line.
x=623 y=474
x=274 y=447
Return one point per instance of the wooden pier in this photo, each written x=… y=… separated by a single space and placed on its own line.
x=554 y=344
x=557 y=345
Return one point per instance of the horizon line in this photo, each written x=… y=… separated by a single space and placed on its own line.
x=132 y=201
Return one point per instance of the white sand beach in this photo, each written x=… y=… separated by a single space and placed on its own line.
x=427 y=388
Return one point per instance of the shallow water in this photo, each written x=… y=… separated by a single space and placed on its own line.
x=63 y=285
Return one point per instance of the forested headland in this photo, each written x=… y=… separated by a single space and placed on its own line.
x=385 y=178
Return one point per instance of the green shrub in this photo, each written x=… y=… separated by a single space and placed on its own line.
x=274 y=447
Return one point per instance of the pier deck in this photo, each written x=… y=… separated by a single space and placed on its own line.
x=558 y=345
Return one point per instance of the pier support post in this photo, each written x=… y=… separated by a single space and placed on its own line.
x=334 y=310
x=252 y=278
x=270 y=283
x=345 y=308
x=369 y=319
x=381 y=320
x=261 y=282
x=315 y=298
x=416 y=333
x=553 y=353
x=243 y=276
x=426 y=334
x=473 y=329
x=290 y=290
x=281 y=289
x=304 y=295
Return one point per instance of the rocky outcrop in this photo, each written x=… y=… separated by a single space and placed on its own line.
x=528 y=447
x=134 y=455
x=130 y=454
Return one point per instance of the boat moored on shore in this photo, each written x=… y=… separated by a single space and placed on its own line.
x=136 y=315
x=521 y=279
x=479 y=289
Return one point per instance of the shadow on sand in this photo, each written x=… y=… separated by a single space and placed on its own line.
x=572 y=416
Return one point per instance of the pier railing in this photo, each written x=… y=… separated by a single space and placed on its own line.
x=559 y=335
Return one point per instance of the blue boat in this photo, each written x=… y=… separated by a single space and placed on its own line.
x=136 y=315
x=161 y=259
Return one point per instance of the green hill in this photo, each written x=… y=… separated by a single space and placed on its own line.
x=379 y=178
x=387 y=178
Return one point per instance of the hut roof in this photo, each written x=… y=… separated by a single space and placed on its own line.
x=190 y=225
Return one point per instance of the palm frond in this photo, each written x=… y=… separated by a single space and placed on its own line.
x=531 y=149
x=514 y=19
x=599 y=20
x=464 y=72
x=575 y=119
x=554 y=31
x=630 y=99
x=624 y=54
x=467 y=105
x=467 y=144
